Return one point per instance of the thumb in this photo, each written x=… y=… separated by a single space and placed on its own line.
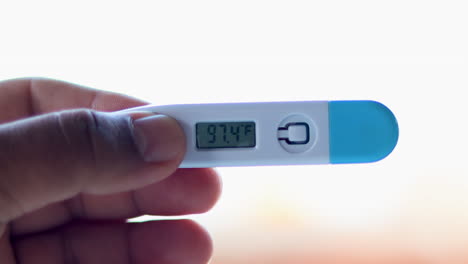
x=53 y=157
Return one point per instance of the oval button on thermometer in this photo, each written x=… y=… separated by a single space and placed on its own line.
x=283 y=133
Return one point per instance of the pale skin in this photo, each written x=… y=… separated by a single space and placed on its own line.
x=69 y=180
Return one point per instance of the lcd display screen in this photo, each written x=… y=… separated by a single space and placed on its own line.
x=225 y=135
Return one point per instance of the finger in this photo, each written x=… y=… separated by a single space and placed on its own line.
x=162 y=242
x=55 y=156
x=187 y=191
x=20 y=98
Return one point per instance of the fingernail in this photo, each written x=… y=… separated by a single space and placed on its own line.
x=158 y=138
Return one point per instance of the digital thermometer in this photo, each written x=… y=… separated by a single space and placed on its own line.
x=283 y=133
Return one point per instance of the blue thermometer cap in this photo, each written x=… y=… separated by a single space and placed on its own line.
x=361 y=131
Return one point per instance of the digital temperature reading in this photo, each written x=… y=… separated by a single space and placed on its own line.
x=225 y=135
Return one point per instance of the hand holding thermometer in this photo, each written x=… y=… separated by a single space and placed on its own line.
x=283 y=133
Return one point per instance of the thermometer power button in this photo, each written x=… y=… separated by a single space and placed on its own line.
x=296 y=134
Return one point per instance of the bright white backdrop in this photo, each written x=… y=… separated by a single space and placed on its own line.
x=411 y=55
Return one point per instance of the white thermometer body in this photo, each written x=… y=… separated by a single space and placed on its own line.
x=283 y=133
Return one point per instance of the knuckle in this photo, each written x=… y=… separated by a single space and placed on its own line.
x=75 y=148
x=78 y=128
x=104 y=143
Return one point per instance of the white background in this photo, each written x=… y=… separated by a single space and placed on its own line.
x=410 y=55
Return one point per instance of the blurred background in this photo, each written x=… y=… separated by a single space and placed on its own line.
x=412 y=55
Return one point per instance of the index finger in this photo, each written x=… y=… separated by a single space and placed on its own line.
x=21 y=98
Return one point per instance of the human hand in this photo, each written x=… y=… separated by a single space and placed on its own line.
x=69 y=180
